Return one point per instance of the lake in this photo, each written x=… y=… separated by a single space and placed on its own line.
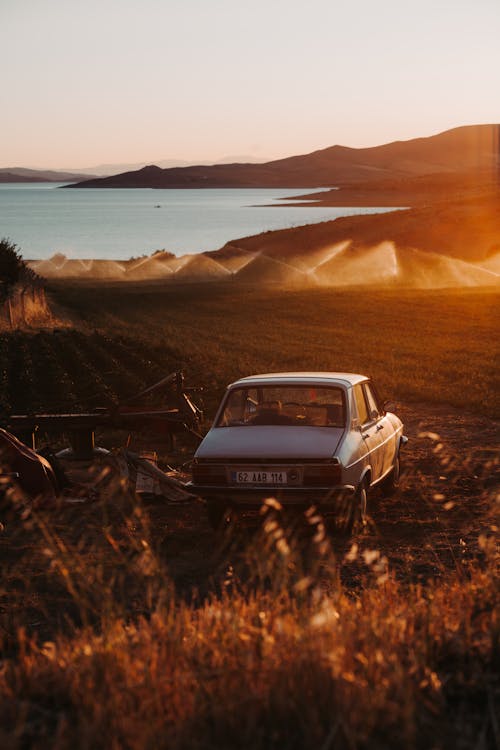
x=42 y=220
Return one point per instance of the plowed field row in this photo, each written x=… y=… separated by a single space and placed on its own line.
x=67 y=370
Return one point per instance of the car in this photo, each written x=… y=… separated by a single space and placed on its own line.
x=304 y=438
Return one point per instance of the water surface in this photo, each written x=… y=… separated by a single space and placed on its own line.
x=120 y=223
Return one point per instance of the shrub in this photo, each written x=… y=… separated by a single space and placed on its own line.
x=13 y=269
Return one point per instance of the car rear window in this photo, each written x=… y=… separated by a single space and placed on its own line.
x=293 y=405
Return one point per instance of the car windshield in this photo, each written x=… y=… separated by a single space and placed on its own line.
x=294 y=405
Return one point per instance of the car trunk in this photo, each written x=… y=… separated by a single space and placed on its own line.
x=270 y=442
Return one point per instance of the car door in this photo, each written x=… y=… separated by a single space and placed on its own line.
x=370 y=434
x=384 y=430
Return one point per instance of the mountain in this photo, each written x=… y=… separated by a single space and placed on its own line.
x=106 y=170
x=8 y=176
x=21 y=174
x=467 y=149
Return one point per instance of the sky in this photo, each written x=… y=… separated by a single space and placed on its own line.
x=113 y=81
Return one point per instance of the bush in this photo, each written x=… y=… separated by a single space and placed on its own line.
x=13 y=269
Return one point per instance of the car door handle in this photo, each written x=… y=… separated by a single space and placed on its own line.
x=380 y=427
x=365 y=435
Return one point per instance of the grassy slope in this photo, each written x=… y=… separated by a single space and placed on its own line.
x=460 y=227
x=431 y=346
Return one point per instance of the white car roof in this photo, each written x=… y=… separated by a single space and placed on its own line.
x=346 y=379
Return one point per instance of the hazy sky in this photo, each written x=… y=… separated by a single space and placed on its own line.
x=98 y=81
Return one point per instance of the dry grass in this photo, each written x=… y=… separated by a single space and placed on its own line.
x=101 y=651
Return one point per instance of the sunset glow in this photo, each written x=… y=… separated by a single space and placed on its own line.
x=249 y=295
x=122 y=81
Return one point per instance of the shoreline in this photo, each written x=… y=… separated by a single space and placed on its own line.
x=455 y=242
x=409 y=192
x=431 y=231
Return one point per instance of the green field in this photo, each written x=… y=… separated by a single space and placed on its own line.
x=439 y=346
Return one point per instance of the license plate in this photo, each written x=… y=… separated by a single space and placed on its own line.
x=259 y=476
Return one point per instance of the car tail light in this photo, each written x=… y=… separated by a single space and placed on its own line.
x=322 y=475
x=208 y=474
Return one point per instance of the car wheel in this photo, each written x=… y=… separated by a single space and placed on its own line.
x=217 y=514
x=361 y=500
x=358 y=508
x=355 y=512
x=391 y=483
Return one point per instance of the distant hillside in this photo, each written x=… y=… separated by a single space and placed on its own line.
x=20 y=174
x=473 y=148
x=467 y=229
x=420 y=190
x=105 y=170
x=6 y=176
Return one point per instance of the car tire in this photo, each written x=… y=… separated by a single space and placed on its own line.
x=359 y=505
x=390 y=485
x=356 y=512
x=361 y=501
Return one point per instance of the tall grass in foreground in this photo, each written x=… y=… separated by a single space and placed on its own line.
x=278 y=653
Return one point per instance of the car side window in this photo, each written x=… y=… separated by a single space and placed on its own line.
x=373 y=408
x=360 y=404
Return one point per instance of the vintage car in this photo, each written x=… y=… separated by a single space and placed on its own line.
x=304 y=438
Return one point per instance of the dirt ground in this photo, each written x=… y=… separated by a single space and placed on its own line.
x=449 y=477
x=450 y=474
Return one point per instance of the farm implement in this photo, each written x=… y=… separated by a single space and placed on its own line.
x=176 y=415
x=162 y=411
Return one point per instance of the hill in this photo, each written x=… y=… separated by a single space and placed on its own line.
x=468 y=149
x=467 y=229
x=21 y=174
